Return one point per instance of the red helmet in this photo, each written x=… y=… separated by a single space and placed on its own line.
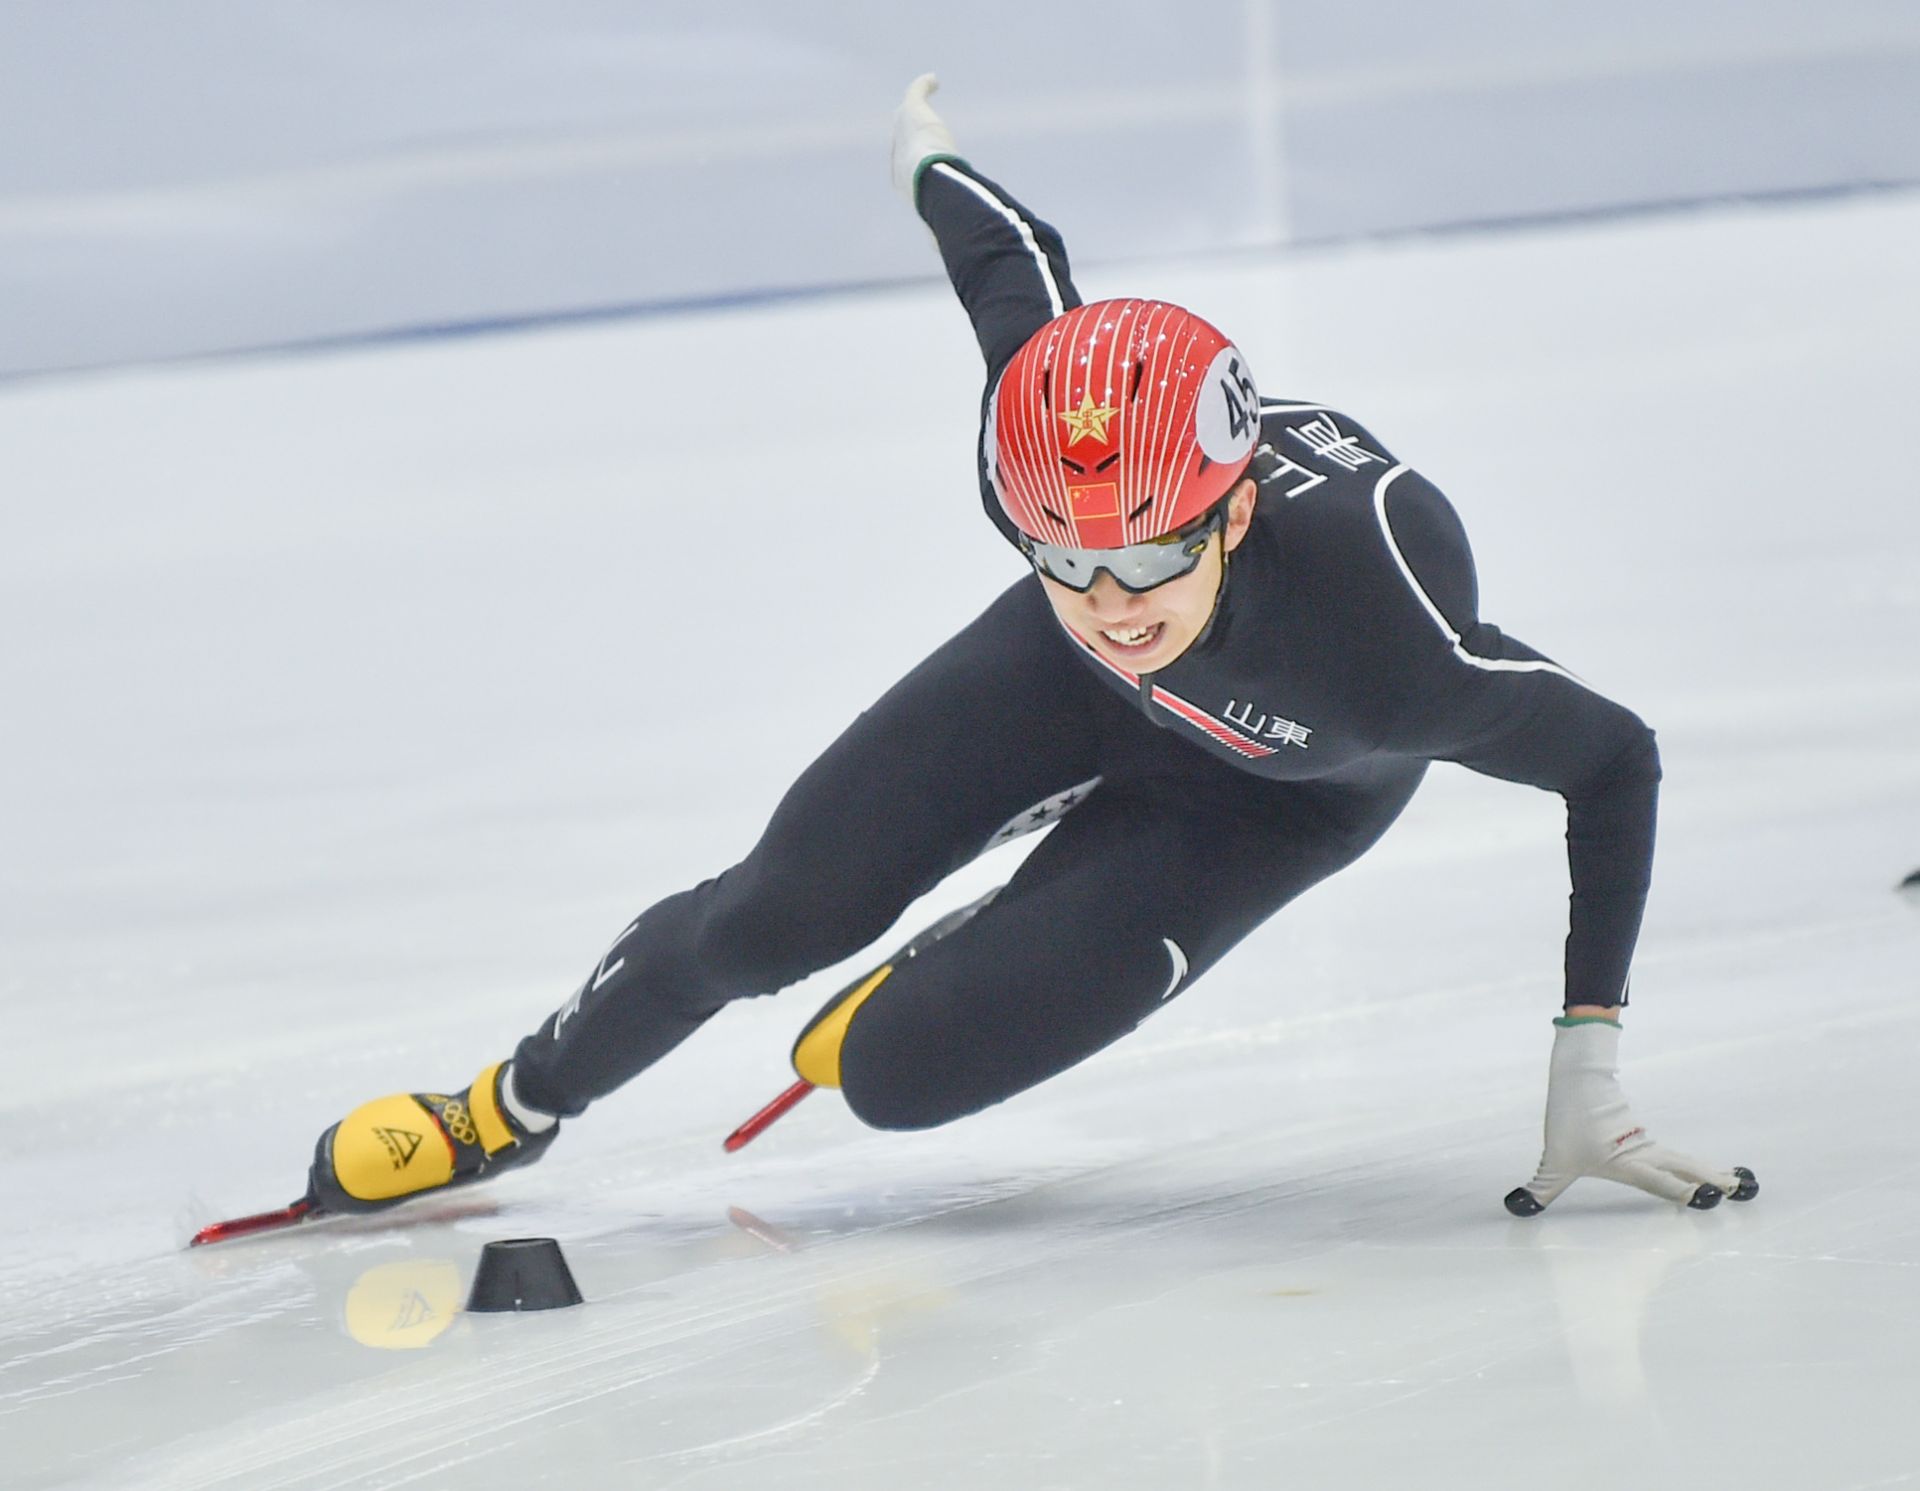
x=1119 y=422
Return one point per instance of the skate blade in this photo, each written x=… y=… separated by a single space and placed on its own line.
x=261 y=1221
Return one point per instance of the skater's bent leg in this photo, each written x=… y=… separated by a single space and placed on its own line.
x=1129 y=901
x=993 y=722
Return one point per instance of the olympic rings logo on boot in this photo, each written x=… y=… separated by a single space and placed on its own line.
x=454 y=1117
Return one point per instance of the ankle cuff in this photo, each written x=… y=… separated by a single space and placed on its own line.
x=533 y=1120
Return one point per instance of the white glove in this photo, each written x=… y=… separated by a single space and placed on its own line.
x=1591 y=1132
x=918 y=133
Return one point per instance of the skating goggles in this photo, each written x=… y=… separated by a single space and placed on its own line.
x=1135 y=567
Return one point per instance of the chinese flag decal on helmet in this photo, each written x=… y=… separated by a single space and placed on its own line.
x=1119 y=422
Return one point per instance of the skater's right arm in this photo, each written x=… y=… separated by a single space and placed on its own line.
x=1008 y=268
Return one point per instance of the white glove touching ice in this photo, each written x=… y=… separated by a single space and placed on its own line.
x=918 y=133
x=1590 y=1131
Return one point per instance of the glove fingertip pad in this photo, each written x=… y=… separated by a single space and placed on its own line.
x=1522 y=1202
x=1706 y=1198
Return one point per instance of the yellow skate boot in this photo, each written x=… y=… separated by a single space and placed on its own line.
x=410 y=1143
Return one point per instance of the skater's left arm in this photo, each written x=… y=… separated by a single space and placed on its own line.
x=1487 y=701
x=1469 y=693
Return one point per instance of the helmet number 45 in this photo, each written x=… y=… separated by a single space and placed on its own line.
x=1229 y=426
x=1241 y=399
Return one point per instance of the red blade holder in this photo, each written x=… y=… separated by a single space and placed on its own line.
x=263 y=1221
x=761 y=1121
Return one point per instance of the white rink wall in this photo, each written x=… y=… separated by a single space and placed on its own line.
x=206 y=175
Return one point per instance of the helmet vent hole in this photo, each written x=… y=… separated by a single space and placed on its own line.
x=1139 y=372
x=1108 y=462
x=1046 y=388
x=1139 y=510
x=1205 y=461
x=1054 y=515
x=1072 y=465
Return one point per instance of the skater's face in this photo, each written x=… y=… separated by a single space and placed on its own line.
x=1146 y=631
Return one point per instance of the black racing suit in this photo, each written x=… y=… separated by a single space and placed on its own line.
x=1345 y=654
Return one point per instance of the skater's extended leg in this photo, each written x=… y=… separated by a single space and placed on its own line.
x=995 y=720
x=1000 y=718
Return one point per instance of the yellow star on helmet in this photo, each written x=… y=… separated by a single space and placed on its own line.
x=1088 y=421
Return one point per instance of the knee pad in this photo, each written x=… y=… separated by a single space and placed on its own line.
x=883 y=1092
x=896 y=1075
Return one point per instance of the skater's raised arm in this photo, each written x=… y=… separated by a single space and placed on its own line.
x=1008 y=268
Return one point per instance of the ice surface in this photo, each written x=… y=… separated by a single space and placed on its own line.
x=352 y=703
